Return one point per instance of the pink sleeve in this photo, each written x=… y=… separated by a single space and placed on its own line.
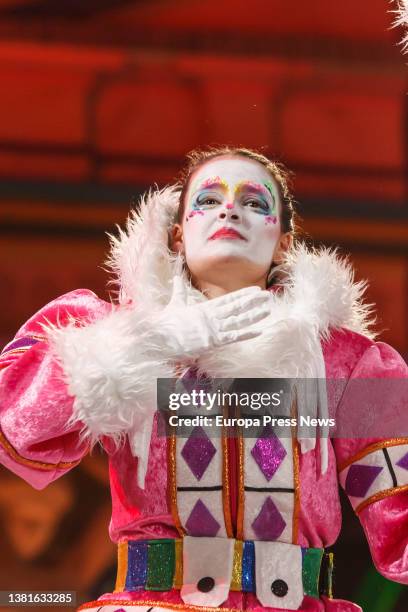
x=35 y=441
x=374 y=471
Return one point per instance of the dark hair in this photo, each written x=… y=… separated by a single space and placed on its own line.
x=279 y=173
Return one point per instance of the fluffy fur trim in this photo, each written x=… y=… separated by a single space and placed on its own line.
x=318 y=287
x=112 y=364
x=402 y=20
x=111 y=367
x=140 y=259
x=318 y=294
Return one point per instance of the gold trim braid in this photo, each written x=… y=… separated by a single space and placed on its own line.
x=62 y=465
x=122 y=566
x=226 y=498
x=296 y=501
x=380 y=495
x=178 y=565
x=241 y=486
x=371 y=448
x=172 y=485
x=296 y=476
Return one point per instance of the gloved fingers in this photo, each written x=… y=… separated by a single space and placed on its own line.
x=323 y=413
x=241 y=321
x=235 y=295
x=229 y=337
x=241 y=304
x=307 y=444
x=306 y=392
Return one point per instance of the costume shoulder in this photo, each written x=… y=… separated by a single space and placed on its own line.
x=33 y=445
x=352 y=354
x=372 y=452
x=81 y=305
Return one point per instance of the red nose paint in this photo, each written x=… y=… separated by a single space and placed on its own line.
x=229 y=206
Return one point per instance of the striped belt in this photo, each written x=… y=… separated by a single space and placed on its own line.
x=157 y=565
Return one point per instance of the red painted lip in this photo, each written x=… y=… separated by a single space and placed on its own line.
x=227 y=232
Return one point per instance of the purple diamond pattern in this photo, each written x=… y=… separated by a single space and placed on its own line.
x=268 y=452
x=269 y=523
x=360 y=478
x=198 y=452
x=403 y=462
x=201 y=522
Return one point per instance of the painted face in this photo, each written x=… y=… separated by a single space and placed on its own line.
x=231 y=215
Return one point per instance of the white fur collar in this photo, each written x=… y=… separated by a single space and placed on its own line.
x=318 y=294
x=402 y=20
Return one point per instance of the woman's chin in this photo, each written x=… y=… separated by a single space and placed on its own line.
x=221 y=266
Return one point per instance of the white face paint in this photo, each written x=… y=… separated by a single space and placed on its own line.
x=231 y=216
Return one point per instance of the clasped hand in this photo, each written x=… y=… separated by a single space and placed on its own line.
x=191 y=330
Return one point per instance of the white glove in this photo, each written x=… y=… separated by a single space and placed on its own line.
x=189 y=331
x=312 y=401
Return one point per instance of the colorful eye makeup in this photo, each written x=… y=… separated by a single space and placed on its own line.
x=215 y=181
x=207 y=195
x=270 y=187
x=193 y=213
x=270 y=219
x=258 y=197
x=204 y=200
x=233 y=218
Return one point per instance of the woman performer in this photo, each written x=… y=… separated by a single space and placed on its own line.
x=204 y=523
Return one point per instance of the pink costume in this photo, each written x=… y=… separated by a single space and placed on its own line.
x=191 y=519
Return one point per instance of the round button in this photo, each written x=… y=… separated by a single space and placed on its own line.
x=206 y=584
x=279 y=588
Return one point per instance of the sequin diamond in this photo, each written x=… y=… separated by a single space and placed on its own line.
x=269 y=523
x=268 y=452
x=201 y=522
x=198 y=452
x=403 y=462
x=360 y=478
